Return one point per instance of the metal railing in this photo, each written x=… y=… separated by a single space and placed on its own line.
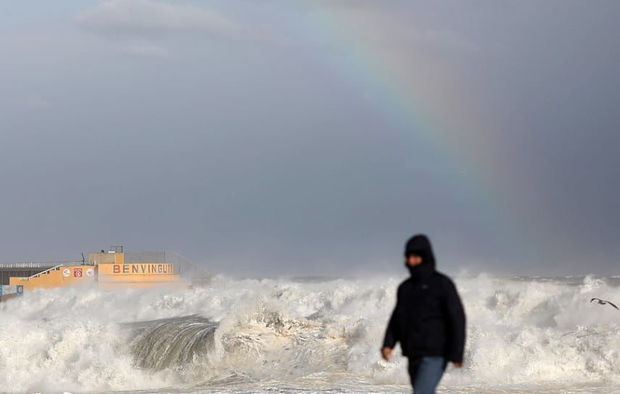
x=29 y=264
x=55 y=268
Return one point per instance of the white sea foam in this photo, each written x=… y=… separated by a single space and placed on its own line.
x=524 y=335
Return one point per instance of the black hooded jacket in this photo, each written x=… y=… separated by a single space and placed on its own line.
x=428 y=319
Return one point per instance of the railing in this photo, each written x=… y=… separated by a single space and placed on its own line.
x=26 y=265
x=42 y=264
x=55 y=268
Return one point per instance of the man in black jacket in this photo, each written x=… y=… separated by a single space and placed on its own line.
x=428 y=320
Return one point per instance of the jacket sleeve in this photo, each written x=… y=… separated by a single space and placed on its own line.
x=456 y=321
x=391 y=333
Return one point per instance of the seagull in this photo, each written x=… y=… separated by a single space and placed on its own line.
x=603 y=302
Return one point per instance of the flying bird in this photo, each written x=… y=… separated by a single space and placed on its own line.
x=603 y=302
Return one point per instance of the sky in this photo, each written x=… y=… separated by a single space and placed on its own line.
x=313 y=137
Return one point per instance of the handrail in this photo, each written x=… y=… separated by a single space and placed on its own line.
x=54 y=268
x=32 y=264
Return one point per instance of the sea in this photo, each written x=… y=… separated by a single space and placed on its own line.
x=305 y=335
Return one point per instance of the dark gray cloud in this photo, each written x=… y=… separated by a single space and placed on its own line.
x=247 y=136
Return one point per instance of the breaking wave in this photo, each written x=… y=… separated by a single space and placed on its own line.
x=523 y=332
x=172 y=342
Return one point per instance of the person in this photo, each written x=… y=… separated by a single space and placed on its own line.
x=428 y=320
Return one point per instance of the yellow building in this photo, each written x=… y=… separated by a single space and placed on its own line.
x=108 y=269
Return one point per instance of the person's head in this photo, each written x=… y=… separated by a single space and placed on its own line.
x=413 y=259
x=419 y=254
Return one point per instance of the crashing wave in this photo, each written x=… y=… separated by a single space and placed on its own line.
x=312 y=334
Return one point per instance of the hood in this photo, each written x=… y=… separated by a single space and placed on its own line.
x=420 y=245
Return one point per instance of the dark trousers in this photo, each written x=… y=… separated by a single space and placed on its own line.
x=425 y=373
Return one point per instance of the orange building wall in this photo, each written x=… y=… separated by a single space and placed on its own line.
x=136 y=274
x=61 y=276
x=108 y=270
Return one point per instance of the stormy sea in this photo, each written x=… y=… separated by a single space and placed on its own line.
x=302 y=335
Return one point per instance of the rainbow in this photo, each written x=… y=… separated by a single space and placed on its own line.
x=424 y=99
